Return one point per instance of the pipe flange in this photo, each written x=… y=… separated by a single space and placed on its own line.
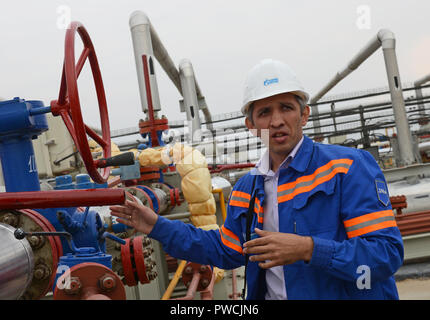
x=91 y=281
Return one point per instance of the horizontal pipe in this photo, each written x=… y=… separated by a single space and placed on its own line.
x=61 y=198
x=366 y=52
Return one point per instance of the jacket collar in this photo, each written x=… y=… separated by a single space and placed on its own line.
x=301 y=161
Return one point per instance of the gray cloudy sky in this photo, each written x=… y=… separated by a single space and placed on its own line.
x=223 y=39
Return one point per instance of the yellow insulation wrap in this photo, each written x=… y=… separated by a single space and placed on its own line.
x=196 y=183
x=94 y=147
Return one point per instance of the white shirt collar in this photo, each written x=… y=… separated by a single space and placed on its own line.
x=263 y=165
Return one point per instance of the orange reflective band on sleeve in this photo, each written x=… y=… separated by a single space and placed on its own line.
x=240 y=199
x=241 y=195
x=230 y=240
x=306 y=183
x=369 y=222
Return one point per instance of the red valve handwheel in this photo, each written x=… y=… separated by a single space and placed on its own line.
x=69 y=107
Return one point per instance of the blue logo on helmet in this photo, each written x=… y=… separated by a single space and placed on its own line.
x=270 y=81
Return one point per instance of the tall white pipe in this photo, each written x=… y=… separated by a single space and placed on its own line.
x=147 y=41
x=142 y=43
x=191 y=103
x=385 y=39
x=404 y=137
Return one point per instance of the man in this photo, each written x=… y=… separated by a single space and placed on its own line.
x=322 y=225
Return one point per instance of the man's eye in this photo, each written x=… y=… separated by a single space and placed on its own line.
x=263 y=112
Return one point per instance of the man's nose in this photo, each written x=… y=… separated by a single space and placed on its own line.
x=277 y=119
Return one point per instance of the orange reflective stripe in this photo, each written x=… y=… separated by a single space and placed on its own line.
x=291 y=185
x=306 y=183
x=258 y=209
x=230 y=240
x=367 y=217
x=369 y=222
x=229 y=233
x=257 y=206
x=240 y=199
x=239 y=203
x=313 y=185
x=241 y=194
x=374 y=227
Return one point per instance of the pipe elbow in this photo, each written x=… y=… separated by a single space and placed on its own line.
x=387 y=39
x=138 y=18
x=186 y=68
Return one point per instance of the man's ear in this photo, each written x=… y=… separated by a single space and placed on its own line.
x=251 y=127
x=305 y=115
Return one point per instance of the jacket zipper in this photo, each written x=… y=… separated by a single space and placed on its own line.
x=295 y=227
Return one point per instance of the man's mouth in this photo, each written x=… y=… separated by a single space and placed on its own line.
x=279 y=137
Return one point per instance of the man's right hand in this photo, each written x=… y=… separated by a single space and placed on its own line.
x=135 y=215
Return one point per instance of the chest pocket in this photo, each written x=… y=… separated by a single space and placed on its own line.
x=316 y=211
x=305 y=196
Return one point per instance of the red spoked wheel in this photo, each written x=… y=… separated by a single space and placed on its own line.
x=68 y=105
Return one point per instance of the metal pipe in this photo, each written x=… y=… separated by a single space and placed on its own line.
x=143 y=35
x=208 y=293
x=385 y=39
x=191 y=292
x=404 y=136
x=363 y=54
x=172 y=285
x=419 y=93
x=234 y=293
x=61 y=198
x=147 y=41
x=16 y=264
x=191 y=103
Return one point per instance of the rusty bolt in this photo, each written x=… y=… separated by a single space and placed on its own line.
x=152 y=275
x=10 y=219
x=107 y=282
x=75 y=286
x=36 y=242
x=147 y=252
x=204 y=283
x=41 y=271
x=203 y=269
x=188 y=270
x=146 y=241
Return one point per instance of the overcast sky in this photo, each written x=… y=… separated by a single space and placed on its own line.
x=223 y=40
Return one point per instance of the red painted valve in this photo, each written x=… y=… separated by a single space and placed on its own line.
x=68 y=104
x=136 y=265
x=89 y=281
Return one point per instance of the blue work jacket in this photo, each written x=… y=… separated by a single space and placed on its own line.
x=336 y=195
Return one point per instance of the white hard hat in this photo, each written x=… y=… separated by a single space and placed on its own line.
x=269 y=78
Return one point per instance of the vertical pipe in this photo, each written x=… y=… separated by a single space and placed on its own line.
x=403 y=131
x=142 y=45
x=419 y=94
x=419 y=97
x=191 y=103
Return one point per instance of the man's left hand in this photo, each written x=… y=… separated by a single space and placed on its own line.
x=276 y=248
